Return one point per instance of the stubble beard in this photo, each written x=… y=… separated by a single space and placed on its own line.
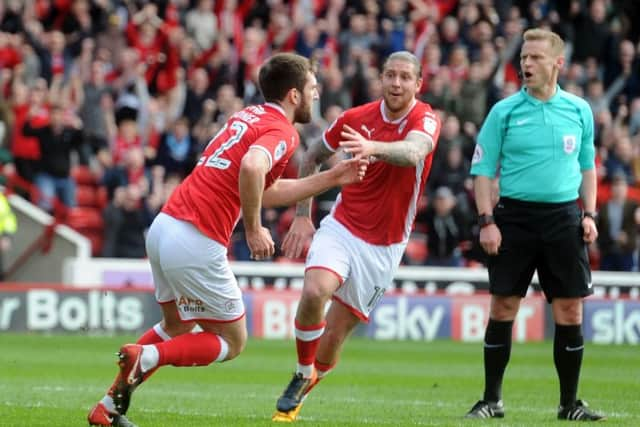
x=302 y=114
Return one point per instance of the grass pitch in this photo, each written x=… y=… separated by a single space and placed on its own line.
x=54 y=380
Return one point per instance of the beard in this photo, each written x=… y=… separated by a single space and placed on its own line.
x=395 y=104
x=302 y=114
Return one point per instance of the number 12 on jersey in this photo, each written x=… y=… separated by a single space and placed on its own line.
x=236 y=131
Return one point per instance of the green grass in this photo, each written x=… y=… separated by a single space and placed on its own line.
x=54 y=380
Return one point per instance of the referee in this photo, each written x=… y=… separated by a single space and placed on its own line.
x=541 y=142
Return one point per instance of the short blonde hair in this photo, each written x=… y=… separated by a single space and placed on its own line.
x=556 y=43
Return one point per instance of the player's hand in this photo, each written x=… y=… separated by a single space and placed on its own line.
x=299 y=237
x=355 y=143
x=260 y=243
x=490 y=239
x=589 y=230
x=350 y=170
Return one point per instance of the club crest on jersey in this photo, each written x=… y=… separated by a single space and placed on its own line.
x=430 y=125
x=280 y=150
x=478 y=154
x=569 y=143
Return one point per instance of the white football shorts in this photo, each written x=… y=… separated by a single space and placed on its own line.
x=366 y=271
x=192 y=270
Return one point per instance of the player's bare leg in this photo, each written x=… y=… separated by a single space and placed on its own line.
x=104 y=413
x=319 y=285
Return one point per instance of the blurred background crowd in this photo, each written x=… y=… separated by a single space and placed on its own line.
x=105 y=105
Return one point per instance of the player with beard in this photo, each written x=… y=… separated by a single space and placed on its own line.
x=238 y=173
x=359 y=245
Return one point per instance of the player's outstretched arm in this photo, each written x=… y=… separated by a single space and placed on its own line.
x=408 y=152
x=286 y=192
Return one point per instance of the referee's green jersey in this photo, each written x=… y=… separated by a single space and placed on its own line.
x=540 y=147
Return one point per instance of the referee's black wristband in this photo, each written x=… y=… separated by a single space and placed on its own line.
x=592 y=215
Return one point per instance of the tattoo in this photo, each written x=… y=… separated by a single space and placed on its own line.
x=408 y=152
x=311 y=162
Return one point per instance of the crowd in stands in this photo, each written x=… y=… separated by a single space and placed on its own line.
x=131 y=91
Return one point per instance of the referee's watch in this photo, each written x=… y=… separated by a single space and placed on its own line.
x=592 y=215
x=485 y=219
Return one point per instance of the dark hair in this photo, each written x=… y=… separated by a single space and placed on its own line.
x=281 y=73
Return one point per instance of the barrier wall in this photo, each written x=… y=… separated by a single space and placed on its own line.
x=119 y=273
x=270 y=313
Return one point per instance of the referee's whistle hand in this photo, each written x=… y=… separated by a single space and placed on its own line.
x=490 y=239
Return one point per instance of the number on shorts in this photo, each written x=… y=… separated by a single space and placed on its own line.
x=377 y=294
x=215 y=160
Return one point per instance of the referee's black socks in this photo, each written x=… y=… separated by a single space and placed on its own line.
x=568 y=348
x=497 y=349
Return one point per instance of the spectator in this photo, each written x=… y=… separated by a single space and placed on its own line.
x=447 y=228
x=621 y=160
x=202 y=25
x=92 y=111
x=334 y=91
x=56 y=140
x=198 y=92
x=592 y=32
x=126 y=219
x=618 y=224
x=177 y=149
x=131 y=171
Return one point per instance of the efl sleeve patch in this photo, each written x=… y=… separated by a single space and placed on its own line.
x=280 y=150
x=430 y=125
x=478 y=154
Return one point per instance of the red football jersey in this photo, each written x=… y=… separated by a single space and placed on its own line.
x=209 y=197
x=381 y=209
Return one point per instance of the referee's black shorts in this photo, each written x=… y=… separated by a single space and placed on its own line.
x=546 y=237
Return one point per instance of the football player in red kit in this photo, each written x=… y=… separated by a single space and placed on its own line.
x=359 y=245
x=238 y=173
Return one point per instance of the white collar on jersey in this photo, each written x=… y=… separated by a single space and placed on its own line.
x=276 y=106
x=396 y=121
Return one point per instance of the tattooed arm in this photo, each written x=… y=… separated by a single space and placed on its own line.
x=408 y=152
x=311 y=162
x=301 y=230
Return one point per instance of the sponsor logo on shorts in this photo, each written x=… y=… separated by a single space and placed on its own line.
x=190 y=305
x=230 y=306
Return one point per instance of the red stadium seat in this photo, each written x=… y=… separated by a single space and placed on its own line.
x=86 y=196
x=416 y=251
x=83 y=175
x=85 y=219
x=97 y=240
x=102 y=197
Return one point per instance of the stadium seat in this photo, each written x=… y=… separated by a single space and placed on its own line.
x=85 y=219
x=83 y=175
x=97 y=240
x=102 y=197
x=86 y=196
x=416 y=251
